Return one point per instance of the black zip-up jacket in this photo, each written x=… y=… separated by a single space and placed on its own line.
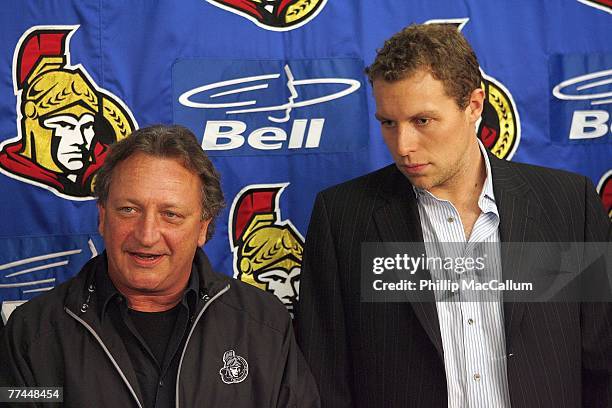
x=56 y=340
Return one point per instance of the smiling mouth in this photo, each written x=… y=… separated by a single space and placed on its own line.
x=145 y=259
x=145 y=256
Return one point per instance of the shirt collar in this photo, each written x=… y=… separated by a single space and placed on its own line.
x=486 y=200
x=107 y=292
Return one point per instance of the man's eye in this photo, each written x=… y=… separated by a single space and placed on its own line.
x=422 y=121
x=171 y=215
x=127 y=210
x=387 y=123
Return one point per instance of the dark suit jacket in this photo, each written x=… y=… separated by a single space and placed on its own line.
x=390 y=354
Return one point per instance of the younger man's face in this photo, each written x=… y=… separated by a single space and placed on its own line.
x=431 y=139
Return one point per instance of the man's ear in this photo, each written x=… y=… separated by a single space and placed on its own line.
x=203 y=230
x=101 y=217
x=475 y=105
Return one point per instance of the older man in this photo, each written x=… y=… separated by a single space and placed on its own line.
x=148 y=323
x=445 y=187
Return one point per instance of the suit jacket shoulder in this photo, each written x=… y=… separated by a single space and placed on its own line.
x=557 y=200
x=367 y=185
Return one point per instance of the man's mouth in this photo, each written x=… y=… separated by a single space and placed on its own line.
x=414 y=167
x=145 y=259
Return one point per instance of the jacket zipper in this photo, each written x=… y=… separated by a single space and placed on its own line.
x=178 y=374
x=93 y=332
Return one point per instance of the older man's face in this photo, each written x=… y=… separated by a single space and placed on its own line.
x=151 y=224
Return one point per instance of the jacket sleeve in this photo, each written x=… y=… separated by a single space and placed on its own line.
x=298 y=388
x=596 y=317
x=15 y=370
x=321 y=331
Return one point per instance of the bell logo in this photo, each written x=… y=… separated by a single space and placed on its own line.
x=272 y=107
x=228 y=134
x=588 y=124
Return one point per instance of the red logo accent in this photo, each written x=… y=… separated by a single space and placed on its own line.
x=605 y=192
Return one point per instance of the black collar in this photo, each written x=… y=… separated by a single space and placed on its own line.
x=107 y=292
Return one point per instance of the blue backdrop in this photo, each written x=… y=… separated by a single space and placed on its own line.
x=277 y=96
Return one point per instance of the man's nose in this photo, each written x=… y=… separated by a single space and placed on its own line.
x=146 y=230
x=407 y=140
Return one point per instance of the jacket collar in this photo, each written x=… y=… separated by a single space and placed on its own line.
x=107 y=292
x=87 y=300
x=83 y=299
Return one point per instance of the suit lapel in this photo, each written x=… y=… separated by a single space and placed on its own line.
x=519 y=216
x=397 y=219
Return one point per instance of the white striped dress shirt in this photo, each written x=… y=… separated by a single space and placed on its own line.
x=472 y=331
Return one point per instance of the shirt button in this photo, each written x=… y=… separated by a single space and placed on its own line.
x=476 y=377
x=450 y=219
x=470 y=321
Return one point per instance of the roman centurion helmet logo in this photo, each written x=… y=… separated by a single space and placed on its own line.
x=274 y=15
x=235 y=368
x=65 y=122
x=604 y=187
x=499 y=129
x=267 y=250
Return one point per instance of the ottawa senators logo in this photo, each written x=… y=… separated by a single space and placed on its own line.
x=65 y=122
x=235 y=368
x=267 y=251
x=604 y=188
x=499 y=129
x=274 y=15
x=605 y=5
